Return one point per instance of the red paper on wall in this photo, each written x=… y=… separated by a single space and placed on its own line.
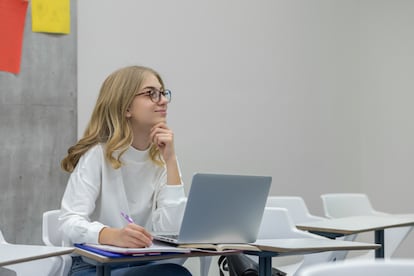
x=12 y=18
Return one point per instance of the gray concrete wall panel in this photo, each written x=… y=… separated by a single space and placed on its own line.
x=38 y=124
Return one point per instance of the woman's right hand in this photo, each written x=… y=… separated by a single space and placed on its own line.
x=132 y=235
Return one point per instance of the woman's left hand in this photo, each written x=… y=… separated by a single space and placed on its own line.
x=163 y=138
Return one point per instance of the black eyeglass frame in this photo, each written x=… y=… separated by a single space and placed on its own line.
x=155 y=94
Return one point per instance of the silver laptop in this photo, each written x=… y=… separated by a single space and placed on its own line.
x=222 y=209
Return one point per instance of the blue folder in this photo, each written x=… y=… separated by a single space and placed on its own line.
x=114 y=254
x=100 y=252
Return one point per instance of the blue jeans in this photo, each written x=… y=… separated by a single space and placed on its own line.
x=80 y=268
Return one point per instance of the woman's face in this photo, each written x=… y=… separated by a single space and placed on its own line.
x=144 y=112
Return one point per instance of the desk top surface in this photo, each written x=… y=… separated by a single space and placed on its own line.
x=279 y=246
x=357 y=224
x=305 y=245
x=128 y=258
x=17 y=253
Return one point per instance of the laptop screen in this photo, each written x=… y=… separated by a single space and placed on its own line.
x=224 y=208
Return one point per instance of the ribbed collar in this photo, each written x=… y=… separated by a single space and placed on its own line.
x=132 y=154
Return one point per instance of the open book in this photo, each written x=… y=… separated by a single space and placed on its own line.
x=220 y=247
x=288 y=245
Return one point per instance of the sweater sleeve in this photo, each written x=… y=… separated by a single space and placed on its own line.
x=168 y=206
x=169 y=210
x=79 y=199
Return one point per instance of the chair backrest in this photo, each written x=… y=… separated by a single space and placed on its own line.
x=296 y=207
x=345 y=205
x=277 y=224
x=362 y=268
x=2 y=239
x=51 y=234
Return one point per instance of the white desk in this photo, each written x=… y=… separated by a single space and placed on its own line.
x=18 y=253
x=284 y=247
x=103 y=263
x=270 y=248
x=338 y=227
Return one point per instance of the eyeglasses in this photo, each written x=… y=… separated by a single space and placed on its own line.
x=155 y=94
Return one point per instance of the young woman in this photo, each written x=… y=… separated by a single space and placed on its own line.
x=125 y=162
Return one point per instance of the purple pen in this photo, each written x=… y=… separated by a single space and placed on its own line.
x=128 y=218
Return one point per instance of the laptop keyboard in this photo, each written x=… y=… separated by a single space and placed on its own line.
x=175 y=236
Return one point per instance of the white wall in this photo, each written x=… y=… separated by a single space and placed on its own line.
x=387 y=146
x=291 y=89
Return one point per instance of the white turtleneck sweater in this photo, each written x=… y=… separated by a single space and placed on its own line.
x=96 y=194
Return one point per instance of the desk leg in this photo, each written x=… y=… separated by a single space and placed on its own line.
x=379 y=239
x=265 y=266
x=103 y=270
x=99 y=270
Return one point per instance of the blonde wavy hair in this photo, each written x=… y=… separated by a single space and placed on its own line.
x=108 y=123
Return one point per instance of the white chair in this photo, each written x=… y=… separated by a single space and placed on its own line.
x=337 y=205
x=52 y=236
x=205 y=263
x=43 y=267
x=362 y=268
x=296 y=207
x=299 y=213
x=277 y=223
x=7 y=272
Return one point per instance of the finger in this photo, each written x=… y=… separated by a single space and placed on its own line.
x=139 y=242
x=139 y=236
x=163 y=139
x=160 y=130
x=157 y=134
x=156 y=131
x=162 y=125
x=139 y=228
x=145 y=241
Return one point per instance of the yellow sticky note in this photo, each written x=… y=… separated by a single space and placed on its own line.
x=51 y=16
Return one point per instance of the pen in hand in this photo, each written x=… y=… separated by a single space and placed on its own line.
x=128 y=218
